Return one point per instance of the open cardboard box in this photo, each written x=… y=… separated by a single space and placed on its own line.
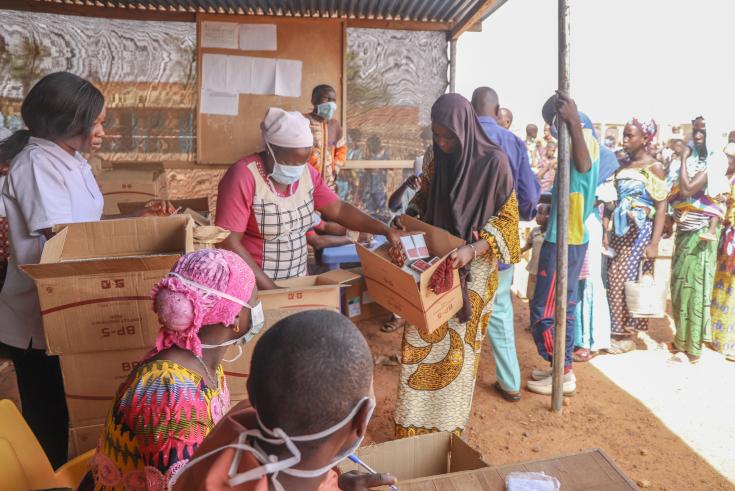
x=418 y=457
x=321 y=292
x=94 y=281
x=398 y=291
x=584 y=471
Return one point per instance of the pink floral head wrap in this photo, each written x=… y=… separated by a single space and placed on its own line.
x=183 y=308
x=647 y=127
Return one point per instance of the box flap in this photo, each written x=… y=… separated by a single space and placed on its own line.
x=54 y=247
x=120 y=238
x=336 y=277
x=408 y=458
x=440 y=241
x=463 y=457
x=100 y=266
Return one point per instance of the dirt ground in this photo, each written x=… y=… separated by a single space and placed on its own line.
x=599 y=415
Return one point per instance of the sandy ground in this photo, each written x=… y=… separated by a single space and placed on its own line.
x=673 y=431
x=668 y=426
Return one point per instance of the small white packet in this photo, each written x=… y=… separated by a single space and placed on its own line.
x=531 y=481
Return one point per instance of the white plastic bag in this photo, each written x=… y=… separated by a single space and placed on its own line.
x=531 y=481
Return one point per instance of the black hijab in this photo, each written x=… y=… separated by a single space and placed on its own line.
x=471 y=186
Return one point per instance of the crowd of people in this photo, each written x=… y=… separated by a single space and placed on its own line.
x=309 y=389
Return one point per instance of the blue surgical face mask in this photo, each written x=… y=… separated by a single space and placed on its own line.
x=285 y=174
x=326 y=110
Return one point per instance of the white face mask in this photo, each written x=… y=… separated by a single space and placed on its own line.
x=270 y=465
x=257 y=317
x=285 y=174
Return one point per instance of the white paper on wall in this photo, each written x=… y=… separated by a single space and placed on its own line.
x=263 y=78
x=239 y=74
x=218 y=102
x=214 y=72
x=220 y=35
x=258 y=37
x=288 y=78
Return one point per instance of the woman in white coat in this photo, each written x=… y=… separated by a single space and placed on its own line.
x=49 y=183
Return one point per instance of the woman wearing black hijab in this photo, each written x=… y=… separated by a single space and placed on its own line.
x=467 y=190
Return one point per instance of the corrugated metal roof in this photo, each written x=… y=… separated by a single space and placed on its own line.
x=445 y=11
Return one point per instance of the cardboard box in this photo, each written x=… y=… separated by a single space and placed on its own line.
x=94 y=281
x=120 y=186
x=397 y=290
x=420 y=456
x=321 y=292
x=91 y=381
x=83 y=438
x=357 y=304
x=591 y=469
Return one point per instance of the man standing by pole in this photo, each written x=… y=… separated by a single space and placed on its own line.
x=565 y=245
x=501 y=332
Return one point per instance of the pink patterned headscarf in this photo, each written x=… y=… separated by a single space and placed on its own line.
x=647 y=127
x=183 y=308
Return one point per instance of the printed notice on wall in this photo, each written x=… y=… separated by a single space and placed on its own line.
x=218 y=102
x=258 y=37
x=220 y=35
x=288 y=78
x=263 y=76
x=214 y=72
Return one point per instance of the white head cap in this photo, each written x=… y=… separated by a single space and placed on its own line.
x=287 y=129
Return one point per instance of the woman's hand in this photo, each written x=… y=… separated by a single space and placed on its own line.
x=651 y=251
x=356 y=481
x=605 y=240
x=394 y=237
x=462 y=257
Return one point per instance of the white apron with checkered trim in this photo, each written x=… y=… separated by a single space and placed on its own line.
x=283 y=223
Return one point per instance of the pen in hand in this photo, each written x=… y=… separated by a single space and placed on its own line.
x=354 y=458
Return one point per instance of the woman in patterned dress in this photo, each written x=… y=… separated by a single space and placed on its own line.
x=694 y=199
x=723 y=297
x=637 y=225
x=268 y=202
x=467 y=190
x=173 y=399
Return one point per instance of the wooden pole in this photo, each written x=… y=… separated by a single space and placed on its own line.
x=452 y=65
x=562 y=219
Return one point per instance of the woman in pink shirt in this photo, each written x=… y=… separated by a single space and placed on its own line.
x=267 y=201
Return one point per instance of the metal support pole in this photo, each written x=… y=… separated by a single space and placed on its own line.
x=452 y=65
x=562 y=219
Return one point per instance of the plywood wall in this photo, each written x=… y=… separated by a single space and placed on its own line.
x=319 y=44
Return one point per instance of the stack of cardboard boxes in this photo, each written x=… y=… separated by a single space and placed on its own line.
x=94 y=282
